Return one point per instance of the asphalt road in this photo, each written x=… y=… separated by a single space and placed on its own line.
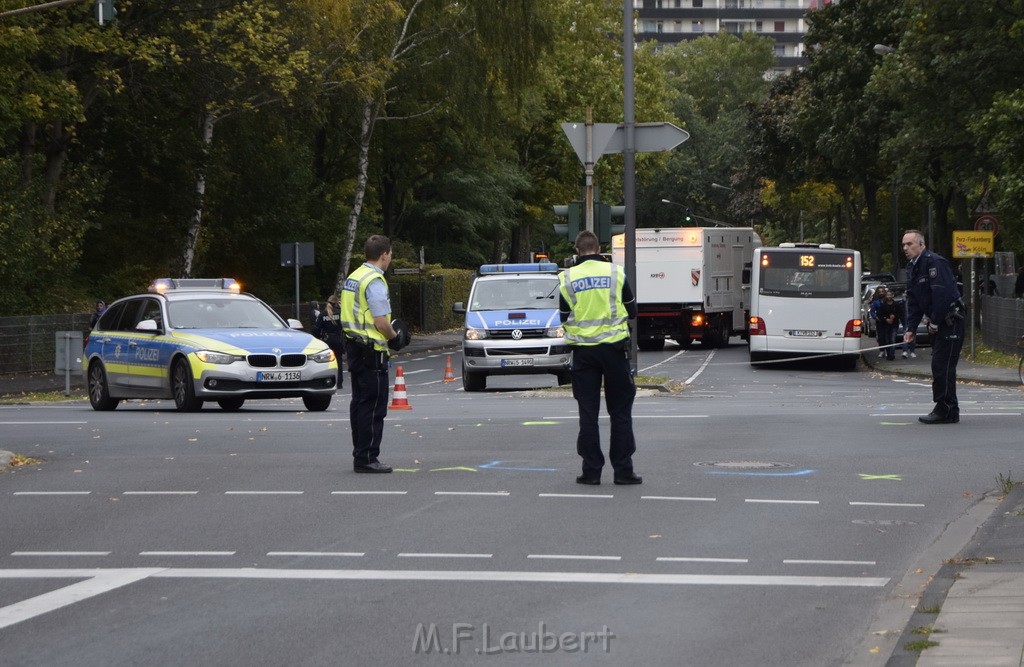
x=784 y=515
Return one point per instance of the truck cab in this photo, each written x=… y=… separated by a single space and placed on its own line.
x=512 y=326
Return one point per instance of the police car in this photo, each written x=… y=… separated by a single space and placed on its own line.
x=512 y=324
x=197 y=340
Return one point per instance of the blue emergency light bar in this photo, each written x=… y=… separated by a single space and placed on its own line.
x=161 y=285
x=543 y=267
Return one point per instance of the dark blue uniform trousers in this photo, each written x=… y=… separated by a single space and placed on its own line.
x=369 y=404
x=591 y=363
x=945 y=353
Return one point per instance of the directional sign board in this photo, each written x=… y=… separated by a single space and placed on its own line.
x=611 y=138
x=973 y=244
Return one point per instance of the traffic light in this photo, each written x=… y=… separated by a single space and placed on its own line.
x=105 y=11
x=688 y=216
x=572 y=212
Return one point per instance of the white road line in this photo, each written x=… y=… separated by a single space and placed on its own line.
x=674 y=559
x=441 y=555
x=52 y=493
x=573 y=495
x=450 y=575
x=962 y=414
x=574 y=417
x=100 y=581
x=663 y=361
x=692 y=378
x=709 y=500
x=186 y=553
x=888 y=504
x=159 y=493
x=829 y=562
x=37 y=423
x=347 y=554
x=422 y=370
x=571 y=557
x=60 y=553
x=781 y=502
x=368 y=493
x=471 y=493
x=263 y=493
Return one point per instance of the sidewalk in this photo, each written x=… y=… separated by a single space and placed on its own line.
x=979 y=593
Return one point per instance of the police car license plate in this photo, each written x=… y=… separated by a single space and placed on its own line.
x=278 y=376
x=804 y=333
x=517 y=362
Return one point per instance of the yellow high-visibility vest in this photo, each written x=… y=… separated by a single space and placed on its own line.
x=593 y=291
x=356 y=318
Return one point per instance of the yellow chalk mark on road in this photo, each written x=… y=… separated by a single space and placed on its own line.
x=406 y=469
x=898 y=478
x=453 y=468
x=895 y=423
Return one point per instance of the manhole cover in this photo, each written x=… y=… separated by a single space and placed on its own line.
x=742 y=464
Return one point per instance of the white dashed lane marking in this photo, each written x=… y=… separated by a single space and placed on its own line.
x=61 y=553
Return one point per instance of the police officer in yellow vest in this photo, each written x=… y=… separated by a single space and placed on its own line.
x=366 y=320
x=595 y=305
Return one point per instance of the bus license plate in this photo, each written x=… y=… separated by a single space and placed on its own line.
x=278 y=376
x=517 y=362
x=804 y=333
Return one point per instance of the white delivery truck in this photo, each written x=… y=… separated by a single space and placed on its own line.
x=693 y=283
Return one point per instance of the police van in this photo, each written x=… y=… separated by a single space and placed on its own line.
x=512 y=324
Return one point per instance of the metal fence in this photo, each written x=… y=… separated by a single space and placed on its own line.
x=27 y=341
x=1002 y=320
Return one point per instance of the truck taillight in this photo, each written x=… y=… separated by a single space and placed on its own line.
x=757 y=327
x=853 y=329
x=697 y=320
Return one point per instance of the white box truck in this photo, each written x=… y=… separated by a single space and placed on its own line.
x=693 y=283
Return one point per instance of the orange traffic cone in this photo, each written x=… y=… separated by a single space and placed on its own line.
x=449 y=374
x=399 y=401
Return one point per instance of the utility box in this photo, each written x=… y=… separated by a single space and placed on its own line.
x=67 y=352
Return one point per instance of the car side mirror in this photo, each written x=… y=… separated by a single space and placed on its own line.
x=459 y=308
x=148 y=325
x=294 y=323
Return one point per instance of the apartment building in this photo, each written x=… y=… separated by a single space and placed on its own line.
x=672 y=21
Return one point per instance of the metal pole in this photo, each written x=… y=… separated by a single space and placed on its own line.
x=589 y=196
x=296 y=254
x=67 y=364
x=895 y=232
x=629 y=164
x=974 y=298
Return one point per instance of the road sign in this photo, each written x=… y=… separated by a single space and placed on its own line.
x=987 y=223
x=973 y=244
x=611 y=138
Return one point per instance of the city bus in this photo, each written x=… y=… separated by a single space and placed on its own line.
x=805 y=301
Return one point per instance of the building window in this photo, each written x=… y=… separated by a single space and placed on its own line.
x=697 y=26
x=780 y=26
x=780 y=50
x=697 y=3
x=660 y=26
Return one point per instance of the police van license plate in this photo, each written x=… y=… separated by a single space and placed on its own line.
x=278 y=376
x=804 y=333
x=516 y=362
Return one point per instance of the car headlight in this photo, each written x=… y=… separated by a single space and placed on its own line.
x=325 y=357
x=556 y=332
x=476 y=334
x=211 y=357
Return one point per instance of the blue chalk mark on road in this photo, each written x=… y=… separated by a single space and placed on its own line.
x=796 y=473
x=496 y=465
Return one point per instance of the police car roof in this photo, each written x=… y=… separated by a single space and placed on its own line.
x=542 y=267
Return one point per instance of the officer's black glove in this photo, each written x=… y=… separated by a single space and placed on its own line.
x=403 y=337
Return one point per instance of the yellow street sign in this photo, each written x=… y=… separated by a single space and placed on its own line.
x=973 y=244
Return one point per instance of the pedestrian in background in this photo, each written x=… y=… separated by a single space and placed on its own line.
x=327 y=328
x=877 y=299
x=932 y=293
x=366 y=319
x=888 y=319
x=101 y=307
x=596 y=302
x=1018 y=286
